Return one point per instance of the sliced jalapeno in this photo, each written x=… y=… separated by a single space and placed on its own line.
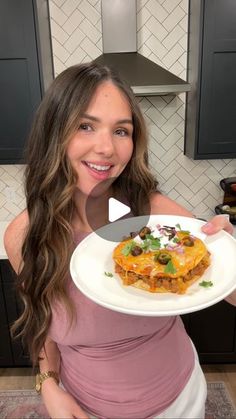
x=162 y=258
x=188 y=241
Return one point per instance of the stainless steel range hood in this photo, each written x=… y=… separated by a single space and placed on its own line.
x=119 y=29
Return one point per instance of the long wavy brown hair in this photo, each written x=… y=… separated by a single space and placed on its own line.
x=49 y=186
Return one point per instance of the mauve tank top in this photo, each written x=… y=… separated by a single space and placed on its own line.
x=118 y=365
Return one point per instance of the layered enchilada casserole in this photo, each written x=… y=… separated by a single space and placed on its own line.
x=161 y=259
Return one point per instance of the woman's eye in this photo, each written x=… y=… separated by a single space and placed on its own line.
x=85 y=127
x=121 y=132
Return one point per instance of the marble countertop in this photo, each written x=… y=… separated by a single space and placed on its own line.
x=3 y=226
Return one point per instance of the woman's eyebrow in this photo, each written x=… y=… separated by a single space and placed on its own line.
x=95 y=119
x=92 y=118
x=125 y=121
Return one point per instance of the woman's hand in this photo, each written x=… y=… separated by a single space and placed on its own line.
x=218 y=223
x=60 y=404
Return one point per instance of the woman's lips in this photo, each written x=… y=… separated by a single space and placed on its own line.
x=98 y=174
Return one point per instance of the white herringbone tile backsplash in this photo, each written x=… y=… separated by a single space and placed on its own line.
x=162 y=37
x=12 y=199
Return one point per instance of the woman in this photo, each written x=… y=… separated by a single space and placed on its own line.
x=88 y=130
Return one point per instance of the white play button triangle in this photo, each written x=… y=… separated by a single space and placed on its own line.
x=115 y=212
x=116 y=209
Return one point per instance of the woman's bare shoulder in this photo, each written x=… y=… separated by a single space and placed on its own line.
x=161 y=204
x=14 y=237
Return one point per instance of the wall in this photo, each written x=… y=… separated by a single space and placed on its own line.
x=12 y=199
x=162 y=37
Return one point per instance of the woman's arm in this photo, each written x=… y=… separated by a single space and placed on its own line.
x=161 y=204
x=13 y=239
x=231 y=299
x=49 y=358
x=58 y=402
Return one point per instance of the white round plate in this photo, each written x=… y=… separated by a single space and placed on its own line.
x=93 y=257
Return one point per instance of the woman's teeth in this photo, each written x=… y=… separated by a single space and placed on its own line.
x=98 y=167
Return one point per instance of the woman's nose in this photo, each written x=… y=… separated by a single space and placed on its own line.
x=104 y=144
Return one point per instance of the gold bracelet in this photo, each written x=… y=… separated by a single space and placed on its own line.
x=41 y=377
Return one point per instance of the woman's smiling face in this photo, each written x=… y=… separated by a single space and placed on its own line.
x=103 y=144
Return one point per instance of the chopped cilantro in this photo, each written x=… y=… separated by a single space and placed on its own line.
x=155 y=244
x=145 y=245
x=151 y=243
x=150 y=236
x=206 y=284
x=176 y=240
x=169 y=268
x=180 y=229
x=128 y=247
x=109 y=274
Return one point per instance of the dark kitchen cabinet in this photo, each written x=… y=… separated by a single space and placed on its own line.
x=5 y=341
x=213 y=331
x=12 y=353
x=210 y=130
x=25 y=71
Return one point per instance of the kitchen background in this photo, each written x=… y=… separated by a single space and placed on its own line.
x=162 y=37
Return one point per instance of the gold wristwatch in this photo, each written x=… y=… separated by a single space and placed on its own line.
x=41 y=377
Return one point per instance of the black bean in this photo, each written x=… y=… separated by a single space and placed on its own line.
x=136 y=251
x=143 y=232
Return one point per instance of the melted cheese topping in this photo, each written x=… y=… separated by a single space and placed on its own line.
x=183 y=258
